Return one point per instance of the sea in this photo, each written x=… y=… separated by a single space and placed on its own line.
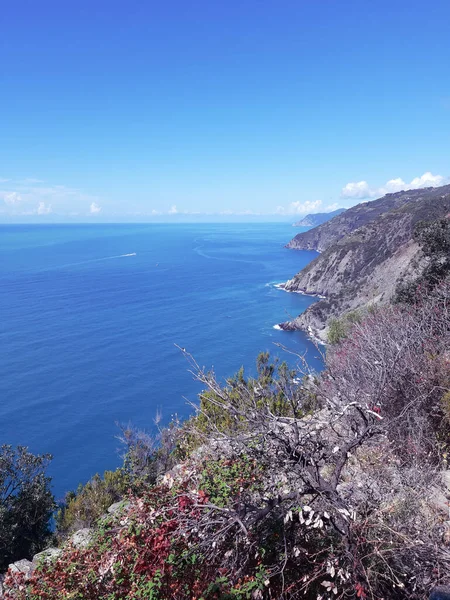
x=91 y=317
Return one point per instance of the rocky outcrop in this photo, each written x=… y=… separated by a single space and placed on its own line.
x=318 y=218
x=363 y=265
x=25 y=568
x=79 y=539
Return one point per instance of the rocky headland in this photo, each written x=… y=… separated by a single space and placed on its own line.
x=365 y=253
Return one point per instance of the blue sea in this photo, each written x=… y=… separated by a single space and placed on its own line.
x=90 y=315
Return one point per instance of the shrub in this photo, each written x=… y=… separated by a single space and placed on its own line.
x=83 y=507
x=339 y=328
x=290 y=497
x=396 y=362
x=146 y=456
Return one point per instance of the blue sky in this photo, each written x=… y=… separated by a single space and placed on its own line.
x=138 y=110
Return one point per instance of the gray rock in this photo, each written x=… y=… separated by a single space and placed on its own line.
x=81 y=538
x=439 y=500
x=2 y=589
x=22 y=566
x=46 y=555
x=446 y=479
x=118 y=507
x=439 y=497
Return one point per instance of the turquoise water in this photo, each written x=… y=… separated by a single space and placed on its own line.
x=90 y=315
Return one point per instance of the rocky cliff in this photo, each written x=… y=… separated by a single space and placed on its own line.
x=340 y=226
x=365 y=253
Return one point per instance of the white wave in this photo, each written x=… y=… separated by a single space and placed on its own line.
x=280 y=286
x=112 y=257
x=277 y=327
x=87 y=262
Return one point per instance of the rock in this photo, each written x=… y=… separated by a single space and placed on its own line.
x=446 y=533
x=118 y=507
x=440 y=496
x=288 y=326
x=2 y=589
x=439 y=501
x=81 y=538
x=46 y=556
x=446 y=479
x=22 y=566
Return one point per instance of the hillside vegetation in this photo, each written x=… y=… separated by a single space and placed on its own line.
x=287 y=485
x=332 y=488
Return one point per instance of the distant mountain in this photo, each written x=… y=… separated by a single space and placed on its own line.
x=365 y=252
x=318 y=218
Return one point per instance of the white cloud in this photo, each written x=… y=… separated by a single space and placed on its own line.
x=356 y=189
x=300 y=208
x=394 y=185
x=94 y=208
x=11 y=198
x=361 y=189
x=29 y=196
x=427 y=180
x=44 y=209
x=173 y=210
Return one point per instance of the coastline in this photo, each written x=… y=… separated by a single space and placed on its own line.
x=292 y=325
x=282 y=286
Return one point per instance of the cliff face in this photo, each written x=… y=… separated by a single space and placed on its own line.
x=366 y=251
x=340 y=226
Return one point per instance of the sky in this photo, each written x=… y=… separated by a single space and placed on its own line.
x=143 y=110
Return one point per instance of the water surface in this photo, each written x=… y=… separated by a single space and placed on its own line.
x=90 y=315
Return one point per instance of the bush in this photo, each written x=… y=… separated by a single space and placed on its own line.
x=314 y=487
x=83 y=507
x=275 y=388
x=26 y=503
x=146 y=456
x=340 y=328
x=396 y=362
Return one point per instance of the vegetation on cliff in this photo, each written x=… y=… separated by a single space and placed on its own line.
x=286 y=485
x=326 y=489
